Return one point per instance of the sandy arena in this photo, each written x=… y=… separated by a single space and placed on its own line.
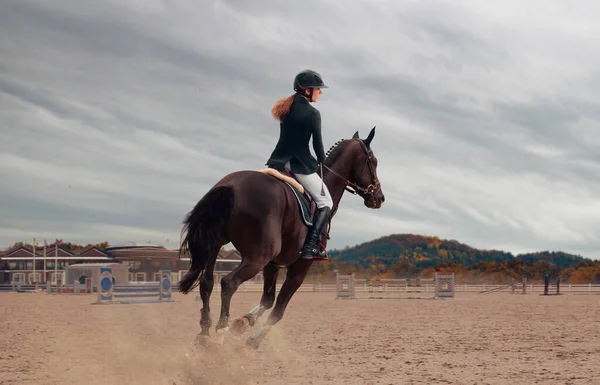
x=474 y=339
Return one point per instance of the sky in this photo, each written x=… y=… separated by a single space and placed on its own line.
x=117 y=117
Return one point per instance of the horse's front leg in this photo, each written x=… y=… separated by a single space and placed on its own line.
x=296 y=274
x=267 y=300
x=247 y=269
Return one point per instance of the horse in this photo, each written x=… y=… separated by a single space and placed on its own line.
x=262 y=217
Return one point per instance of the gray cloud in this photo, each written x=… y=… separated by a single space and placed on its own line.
x=117 y=117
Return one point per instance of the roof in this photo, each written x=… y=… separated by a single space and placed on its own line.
x=61 y=252
x=88 y=265
x=229 y=254
x=91 y=252
x=124 y=250
x=131 y=245
x=19 y=252
x=144 y=252
x=223 y=254
x=27 y=252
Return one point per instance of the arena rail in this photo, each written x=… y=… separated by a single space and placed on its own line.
x=362 y=286
x=565 y=288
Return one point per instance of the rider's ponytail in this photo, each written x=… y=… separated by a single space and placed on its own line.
x=282 y=108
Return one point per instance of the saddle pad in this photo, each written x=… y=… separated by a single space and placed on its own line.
x=304 y=205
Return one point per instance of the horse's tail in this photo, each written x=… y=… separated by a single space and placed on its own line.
x=202 y=227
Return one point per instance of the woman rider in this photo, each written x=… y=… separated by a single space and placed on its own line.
x=298 y=122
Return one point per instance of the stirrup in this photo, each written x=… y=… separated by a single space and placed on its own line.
x=314 y=254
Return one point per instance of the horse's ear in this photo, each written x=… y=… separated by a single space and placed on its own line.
x=370 y=137
x=355 y=136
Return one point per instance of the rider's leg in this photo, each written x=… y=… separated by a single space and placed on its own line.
x=312 y=183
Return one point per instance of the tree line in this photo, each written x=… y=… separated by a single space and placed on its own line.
x=411 y=256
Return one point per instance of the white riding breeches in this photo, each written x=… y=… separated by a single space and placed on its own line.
x=312 y=184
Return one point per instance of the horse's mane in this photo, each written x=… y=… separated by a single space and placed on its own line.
x=335 y=150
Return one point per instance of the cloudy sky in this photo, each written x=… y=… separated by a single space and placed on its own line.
x=117 y=116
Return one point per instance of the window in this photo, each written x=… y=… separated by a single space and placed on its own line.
x=18 y=278
x=35 y=277
x=164 y=265
x=23 y=265
x=157 y=264
x=133 y=265
x=61 y=265
x=140 y=277
x=156 y=277
x=54 y=277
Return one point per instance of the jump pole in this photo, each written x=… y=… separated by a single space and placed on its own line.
x=444 y=288
x=345 y=286
x=109 y=293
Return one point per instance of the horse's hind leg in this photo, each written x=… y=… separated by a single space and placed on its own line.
x=296 y=274
x=267 y=300
x=207 y=283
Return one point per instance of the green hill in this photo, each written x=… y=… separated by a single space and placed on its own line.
x=426 y=251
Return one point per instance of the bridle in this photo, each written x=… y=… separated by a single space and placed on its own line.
x=353 y=188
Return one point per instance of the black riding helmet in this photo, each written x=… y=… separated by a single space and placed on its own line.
x=308 y=79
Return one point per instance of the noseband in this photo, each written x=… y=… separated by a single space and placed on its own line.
x=353 y=188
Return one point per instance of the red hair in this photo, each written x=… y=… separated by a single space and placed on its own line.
x=282 y=107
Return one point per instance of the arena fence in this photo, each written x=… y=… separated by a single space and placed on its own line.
x=362 y=286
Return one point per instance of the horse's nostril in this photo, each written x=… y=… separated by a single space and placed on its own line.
x=382 y=198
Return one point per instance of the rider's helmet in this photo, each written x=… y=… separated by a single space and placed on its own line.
x=308 y=79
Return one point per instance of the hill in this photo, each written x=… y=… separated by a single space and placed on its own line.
x=426 y=251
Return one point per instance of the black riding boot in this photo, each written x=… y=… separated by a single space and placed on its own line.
x=310 y=250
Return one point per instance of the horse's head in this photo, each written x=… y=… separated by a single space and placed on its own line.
x=358 y=163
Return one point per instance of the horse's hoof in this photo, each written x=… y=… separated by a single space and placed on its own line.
x=253 y=343
x=240 y=326
x=221 y=335
x=203 y=340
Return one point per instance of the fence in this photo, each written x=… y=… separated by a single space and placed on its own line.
x=362 y=286
x=331 y=287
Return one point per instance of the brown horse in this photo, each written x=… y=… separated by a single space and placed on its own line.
x=260 y=216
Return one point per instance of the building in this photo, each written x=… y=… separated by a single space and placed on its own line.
x=82 y=272
x=23 y=265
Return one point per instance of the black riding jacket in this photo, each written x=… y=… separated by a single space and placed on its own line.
x=302 y=121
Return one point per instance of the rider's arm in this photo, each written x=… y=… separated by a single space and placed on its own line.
x=318 y=138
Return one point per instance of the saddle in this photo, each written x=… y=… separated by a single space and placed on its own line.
x=306 y=204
